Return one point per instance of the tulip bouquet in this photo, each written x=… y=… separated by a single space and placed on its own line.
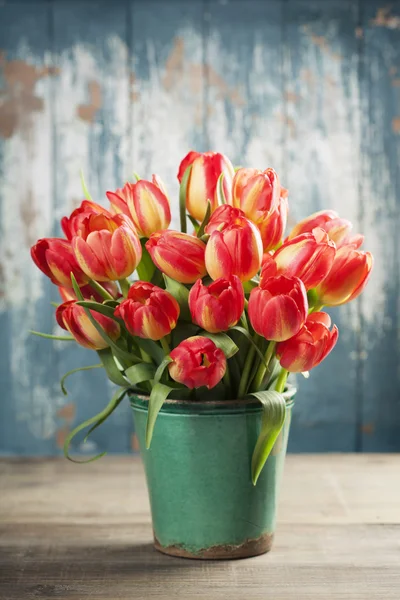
x=230 y=306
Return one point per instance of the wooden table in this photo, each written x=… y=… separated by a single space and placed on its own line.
x=74 y=532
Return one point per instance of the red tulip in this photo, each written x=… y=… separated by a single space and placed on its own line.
x=278 y=308
x=347 y=278
x=235 y=247
x=146 y=203
x=310 y=346
x=149 y=311
x=71 y=225
x=338 y=230
x=256 y=192
x=308 y=256
x=54 y=256
x=273 y=226
x=196 y=362
x=87 y=292
x=107 y=248
x=74 y=319
x=202 y=183
x=178 y=255
x=219 y=306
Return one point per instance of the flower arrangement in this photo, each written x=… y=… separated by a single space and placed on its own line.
x=231 y=307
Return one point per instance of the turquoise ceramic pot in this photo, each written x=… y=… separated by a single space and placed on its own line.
x=198 y=472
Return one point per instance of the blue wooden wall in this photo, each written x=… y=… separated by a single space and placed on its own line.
x=311 y=88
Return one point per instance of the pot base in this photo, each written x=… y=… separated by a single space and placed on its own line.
x=253 y=547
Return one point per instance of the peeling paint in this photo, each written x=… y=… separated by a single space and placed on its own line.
x=359 y=33
x=321 y=42
x=368 y=428
x=396 y=125
x=67 y=412
x=384 y=18
x=135 y=442
x=88 y=112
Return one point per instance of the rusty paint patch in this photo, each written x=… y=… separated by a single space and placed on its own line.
x=368 y=428
x=61 y=436
x=292 y=97
x=396 y=125
x=359 y=32
x=88 y=112
x=135 y=442
x=396 y=82
x=67 y=412
x=252 y=547
x=392 y=71
x=384 y=18
x=321 y=42
x=28 y=215
x=18 y=100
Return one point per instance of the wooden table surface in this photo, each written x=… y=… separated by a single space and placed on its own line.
x=73 y=532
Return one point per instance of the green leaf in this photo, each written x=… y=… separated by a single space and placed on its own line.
x=204 y=223
x=151 y=348
x=194 y=223
x=64 y=377
x=161 y=368
x=136 y=176
x=49 y=336
x=220 y=190
x=84 y=188
x=247 y=335
x=182 y=198
x=100 y=290
x=114 y=373
x=141 y=372
x=273 y=418
x=158 y=395
x=103 y=309
x=222 y=341
x=96 y=420
x=250 y=285
x=181 y=295
x=146 y=267
x=118 y=351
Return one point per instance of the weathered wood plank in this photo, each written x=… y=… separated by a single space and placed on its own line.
x=91 y=132
x=167 y=92
x=322 y=165
x=77 y=533
x=29 y=400
x=380 y=215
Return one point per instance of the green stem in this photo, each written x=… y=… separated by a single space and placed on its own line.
x=262 y=368
x=72 y=371
x=146 y=357
x=125 y=286
x=280 y=384
x=63 y=338
x=100 y=290
x=315 y=308
x=243 y=321
x=165 y=345
x=247 y=368
x=227 y=382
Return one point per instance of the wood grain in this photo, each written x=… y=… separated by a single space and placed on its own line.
x=85 y=532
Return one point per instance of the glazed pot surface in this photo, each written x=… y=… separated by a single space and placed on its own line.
x=198 y=470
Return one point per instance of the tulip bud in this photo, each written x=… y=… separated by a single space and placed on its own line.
x=256 y=192
x=219 y=306
x=308 y=256
x=107 y=248
x=178 y=255
x=55 y=257
x=88 y=292
x=235 y=247
x=149 y=311
x=74 y=319
x=278 y=309
x=146 y=203
x=71 y=225
x=202 y=183
x=347 y=278
x=273 y=226
x=338 y=230
x=197 y=362
x=309 y=346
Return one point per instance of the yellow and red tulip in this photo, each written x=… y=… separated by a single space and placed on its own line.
x=197 y=362
x=256 y=192
x=55 y=257
x=309 y=346
x=107 y=248
x=273 y=226
x=74 y=319
x=146 y=203
x=347 y=278
x=202 y=183
x=278 y=307
x=308 y=256
x=218 y=306
x=339 y=230
x=234 y=247
x=149 y=311
x=178 y=255
x=71 y=225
